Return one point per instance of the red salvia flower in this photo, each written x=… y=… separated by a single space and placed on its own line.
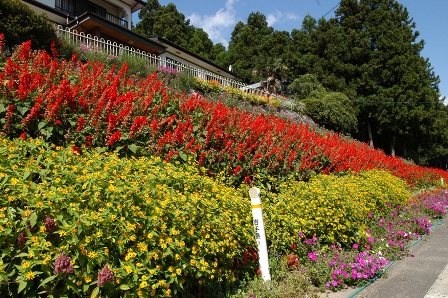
x=81 y=123
x=115 y=137
x=88 y=140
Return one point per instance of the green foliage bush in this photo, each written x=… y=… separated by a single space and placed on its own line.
x=19 y=23
x=334 y=111
x=304 y=86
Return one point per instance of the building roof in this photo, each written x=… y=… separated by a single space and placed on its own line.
x=89 y=20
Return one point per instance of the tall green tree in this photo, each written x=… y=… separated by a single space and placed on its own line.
x=166 y=21
x=200 y=44
x=370 y=52
x=246 y=47
x=303 y=46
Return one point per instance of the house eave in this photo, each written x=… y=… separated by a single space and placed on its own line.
x=88 y=21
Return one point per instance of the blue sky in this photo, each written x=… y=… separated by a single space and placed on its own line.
x=218 y=18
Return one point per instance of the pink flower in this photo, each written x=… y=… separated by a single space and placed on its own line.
x=63 y=264
x=105 y=275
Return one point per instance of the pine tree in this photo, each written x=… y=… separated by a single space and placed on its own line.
x=371 y=53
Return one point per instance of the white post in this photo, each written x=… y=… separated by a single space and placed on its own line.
x=260 y=234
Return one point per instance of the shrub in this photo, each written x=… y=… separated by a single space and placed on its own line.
x=20 y=23
x=334 y=111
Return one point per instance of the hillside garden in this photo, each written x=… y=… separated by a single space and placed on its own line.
x=115 y=184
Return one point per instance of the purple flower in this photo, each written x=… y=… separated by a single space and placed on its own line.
x=105 y=275
x=21 y=239
x=50 y=224
x=63 y=264
x=355 y=246
x=313 y=256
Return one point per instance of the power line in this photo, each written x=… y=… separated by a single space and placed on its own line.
x=394 y=102
x=334 y=7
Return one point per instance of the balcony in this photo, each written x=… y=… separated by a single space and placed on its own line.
x=75 y=8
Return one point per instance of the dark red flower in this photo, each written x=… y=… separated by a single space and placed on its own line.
x=63 y=264
x=105 y=275
x=50 y=224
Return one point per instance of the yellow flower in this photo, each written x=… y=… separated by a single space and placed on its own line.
x=39 y=204
x=29 y=275
x=88 y=279
x=143 y=284
x=26 y=213
x=178 y=271
x=26 y=265
x=168 y=292
x=128 y=269
x=42 y=229
x=47 y=260
x=144 y=277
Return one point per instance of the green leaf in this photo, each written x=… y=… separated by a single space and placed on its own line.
x=95 y=292
x=133 y=148
x=183 y=156
x=26 y=175
x=33 y=219
x=22 y=110
x=22 y=286
x=3 y=277
x=41 y=125
x=124 y=287
x=47 y=280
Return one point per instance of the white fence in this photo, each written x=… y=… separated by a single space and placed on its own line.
x=115 y=49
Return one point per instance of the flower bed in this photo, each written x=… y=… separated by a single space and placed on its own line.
x=89 y=223
x=70 y=101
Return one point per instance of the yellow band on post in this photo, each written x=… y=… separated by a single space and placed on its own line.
x=256 y=206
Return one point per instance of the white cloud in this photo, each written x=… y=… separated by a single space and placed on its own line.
x=216 y=25
x=277 y=15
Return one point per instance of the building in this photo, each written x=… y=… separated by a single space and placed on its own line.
x=107 y=24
